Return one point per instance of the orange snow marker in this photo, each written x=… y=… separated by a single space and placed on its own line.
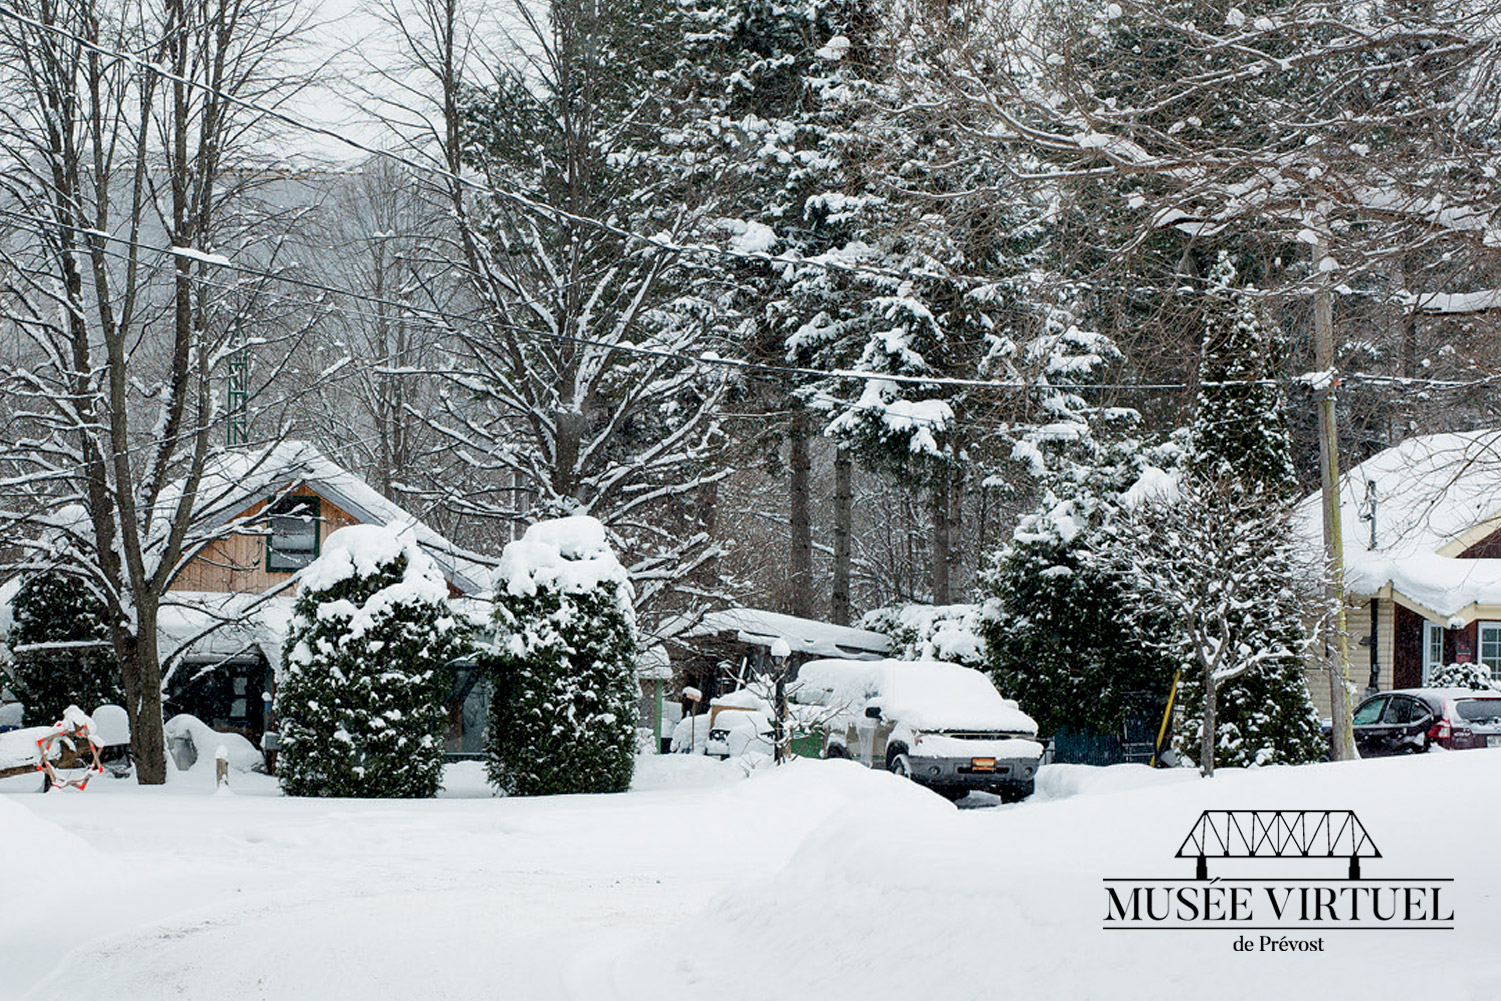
x=75 y=726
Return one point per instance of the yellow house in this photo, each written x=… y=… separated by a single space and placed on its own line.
x=1422 y=553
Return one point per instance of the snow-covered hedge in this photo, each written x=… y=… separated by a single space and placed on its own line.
x=361 y=699
x=563 y=715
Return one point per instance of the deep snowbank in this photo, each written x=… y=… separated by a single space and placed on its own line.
x=905 y=898
x=820 y=880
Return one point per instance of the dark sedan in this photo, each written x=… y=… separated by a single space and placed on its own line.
x=1411 y=720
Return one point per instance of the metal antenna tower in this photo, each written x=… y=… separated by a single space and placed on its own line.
x=237 y=425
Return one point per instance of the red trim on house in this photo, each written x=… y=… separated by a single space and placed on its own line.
x=1462 y=646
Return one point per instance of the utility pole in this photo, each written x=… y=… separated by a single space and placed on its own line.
x=1336 y=638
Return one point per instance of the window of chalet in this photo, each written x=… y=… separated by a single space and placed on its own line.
x=293 y=542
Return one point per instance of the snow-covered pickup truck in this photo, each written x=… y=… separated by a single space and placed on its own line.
x=941 y=725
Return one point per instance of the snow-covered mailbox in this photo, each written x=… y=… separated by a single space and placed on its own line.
x=719 y=650
x=1422 y=553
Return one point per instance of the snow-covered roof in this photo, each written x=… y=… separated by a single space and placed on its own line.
x=1436 y=495
x=233 y=480
x=806 y=636
x=236 y=625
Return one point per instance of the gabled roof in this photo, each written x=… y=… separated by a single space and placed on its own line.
x=806 y=636
x=234 y=480
x=1436 y=495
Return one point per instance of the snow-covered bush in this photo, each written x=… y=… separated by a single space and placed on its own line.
x=60 y=648
x=361 y=699
x=931 y=632
x=1471 y=676
x=563 y=715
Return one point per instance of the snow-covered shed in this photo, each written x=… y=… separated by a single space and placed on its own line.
x=711 y=652
x=1422 y=553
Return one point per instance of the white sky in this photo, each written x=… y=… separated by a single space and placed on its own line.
x=356 y=45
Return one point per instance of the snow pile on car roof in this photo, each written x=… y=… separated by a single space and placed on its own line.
x=925 y=694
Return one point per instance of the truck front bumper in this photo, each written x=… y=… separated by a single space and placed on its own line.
x=972 y=773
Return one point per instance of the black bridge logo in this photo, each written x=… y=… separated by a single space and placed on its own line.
x=1277 y=834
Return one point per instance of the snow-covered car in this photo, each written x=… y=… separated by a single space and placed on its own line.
x=1410 y=721
x=735 y=732
x=690 y=735
x=941 y=725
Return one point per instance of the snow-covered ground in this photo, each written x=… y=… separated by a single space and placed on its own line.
x=819 y=880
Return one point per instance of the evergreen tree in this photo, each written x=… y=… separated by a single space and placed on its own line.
x=563 y=662
x=1057 y=638
x=1239 y=437
x=361 y=699
x=778 y=91
x=61 y=647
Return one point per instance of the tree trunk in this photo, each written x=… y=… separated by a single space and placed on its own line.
x=1207 y=735
x=798 y=491
x=708 y=507
x=839 y=601
x=955 y=530
x=142 y=673
x=941 y=540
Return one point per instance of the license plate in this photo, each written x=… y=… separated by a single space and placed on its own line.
x=982 y=764
x=1493 y=740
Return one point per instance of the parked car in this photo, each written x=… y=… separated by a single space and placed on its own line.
x=942 y=725
x=734 y=732
x=1410 y=721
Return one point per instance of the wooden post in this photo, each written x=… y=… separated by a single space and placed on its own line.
x=656 y=718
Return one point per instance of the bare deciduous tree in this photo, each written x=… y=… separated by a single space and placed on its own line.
x=124 y=149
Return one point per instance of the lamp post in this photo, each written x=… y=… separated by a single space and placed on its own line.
x=780 y=651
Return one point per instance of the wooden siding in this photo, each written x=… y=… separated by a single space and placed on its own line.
x=238 y=563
